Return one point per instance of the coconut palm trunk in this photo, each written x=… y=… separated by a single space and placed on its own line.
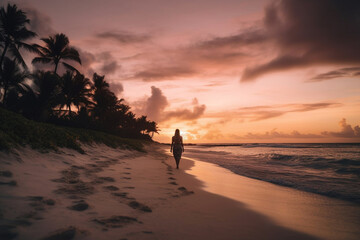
x=3 y=55
x=56 y=66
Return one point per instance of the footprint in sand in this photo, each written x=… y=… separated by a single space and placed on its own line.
x=139 y=206
x=127 y=178
x=184 y=191
x=171 y=178
x=127 y=173
x=104 y=179
x=111 y=188
x=39 y=202
x=128 y=168
x=116 y=221
x=173 y=183
x=7 y=174
x=80 y=205
x=122 y=195
x=9 y=183
x=64 y=233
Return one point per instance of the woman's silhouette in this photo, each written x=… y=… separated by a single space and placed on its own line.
x=177 y=146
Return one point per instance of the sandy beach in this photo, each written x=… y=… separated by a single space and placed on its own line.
x=109 y=193
x=257 y=99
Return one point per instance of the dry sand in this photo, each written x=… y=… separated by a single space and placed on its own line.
x=120 y=194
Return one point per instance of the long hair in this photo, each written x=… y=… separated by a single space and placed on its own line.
x=177 y=133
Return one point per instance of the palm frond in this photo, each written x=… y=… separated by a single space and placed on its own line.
x=68 y=66
x=28 y=47
x=42 y=51
x=41 y=60
x=71 y=54
x=15 y=51
x=49 y=40
x=24 y=34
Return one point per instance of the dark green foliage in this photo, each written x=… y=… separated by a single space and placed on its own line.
x=39 y=102
x=75 y=90
x=16 y=130
x=70 y=100
x=57 y=49
x=11 y=79
x=13 y=33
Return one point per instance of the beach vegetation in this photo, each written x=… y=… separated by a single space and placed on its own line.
x=18 y=131
x=62 y=106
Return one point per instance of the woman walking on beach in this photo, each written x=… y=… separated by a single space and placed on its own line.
x=177 y=146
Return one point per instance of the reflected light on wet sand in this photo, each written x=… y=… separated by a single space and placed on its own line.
x=314 y=214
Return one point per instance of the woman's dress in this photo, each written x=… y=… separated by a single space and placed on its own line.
x=177 y=149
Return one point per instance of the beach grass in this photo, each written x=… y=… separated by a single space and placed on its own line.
x=16 y=130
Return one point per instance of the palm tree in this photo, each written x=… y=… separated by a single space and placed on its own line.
x=57 y=49
x=104 y=99
x=75 y=90
x=12 y=77
x=151 y=127
x=13 y=33
x=40 y=100
x=141 y=124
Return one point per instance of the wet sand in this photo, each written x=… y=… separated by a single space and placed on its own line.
x=119 y=194
x=314 y=214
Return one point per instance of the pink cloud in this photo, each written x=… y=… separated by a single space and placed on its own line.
x=156 y=107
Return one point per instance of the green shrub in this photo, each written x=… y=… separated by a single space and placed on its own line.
x=15 y=130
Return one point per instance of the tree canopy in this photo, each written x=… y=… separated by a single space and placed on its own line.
x=69 y=99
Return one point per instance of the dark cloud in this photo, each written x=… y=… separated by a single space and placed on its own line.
x=110 y=67
x=310 y=32
x=292 y=34
x=245 y=37
x=154 y=107
x=191 y=61
x=258 y=113
x=339 y=73
x=117 y=88
x=347 y=131
x=39 y=22
x=124 y=37
x=205 y=57
x=158 y=73
x=279 y=63
x=186 y=114
x=87 y=61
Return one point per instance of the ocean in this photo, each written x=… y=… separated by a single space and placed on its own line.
x=328 y=169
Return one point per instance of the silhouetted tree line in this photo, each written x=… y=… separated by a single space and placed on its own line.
x=49 y=97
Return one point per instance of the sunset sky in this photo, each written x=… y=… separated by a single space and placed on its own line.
x=221 y=70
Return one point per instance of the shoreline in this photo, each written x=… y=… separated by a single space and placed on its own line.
x=336 y=178
x=126 y=195
x=307 y=212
